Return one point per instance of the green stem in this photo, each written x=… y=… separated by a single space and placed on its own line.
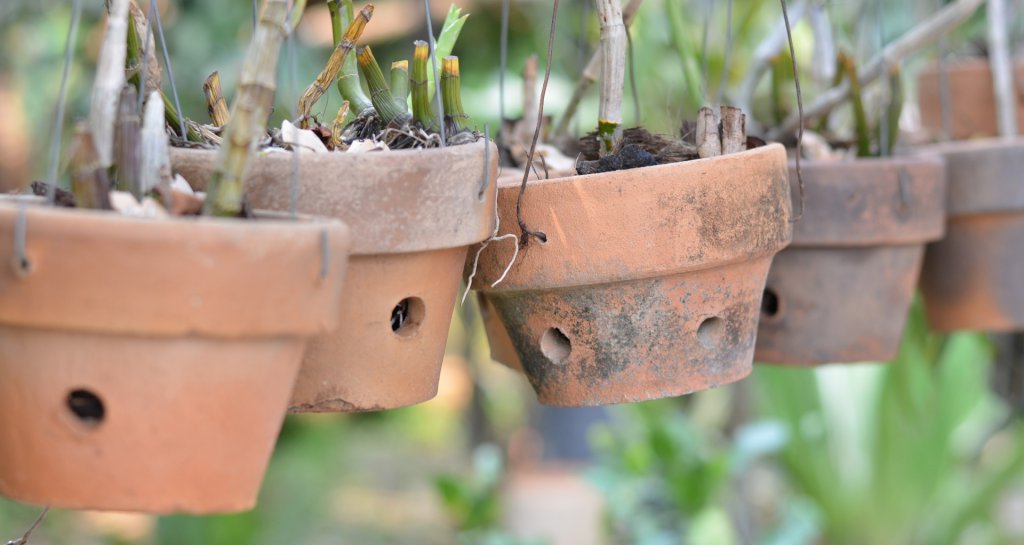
x=342 y=14
x=380 y=94
x=859 y=115
x=400 y=82
x=422 y=112
x=895 y=109
x=451 y=95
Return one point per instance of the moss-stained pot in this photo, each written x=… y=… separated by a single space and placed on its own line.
x=841 y=291
x=974 y=277
x=146 y=365
x=972 y=109
x=650 y=282
x=413 y=215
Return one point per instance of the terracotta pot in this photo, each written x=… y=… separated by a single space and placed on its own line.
x=650 y=281
x=974 y=278
x=145 y=365
x=842 y=290
x=413 y=215
x=972 y=110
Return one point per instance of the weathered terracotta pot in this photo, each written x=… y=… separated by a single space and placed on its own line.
x=146 y=365
x=974 y=278
x=650 y=282
x=413 y=215
x=972 y=110
x=842 y=290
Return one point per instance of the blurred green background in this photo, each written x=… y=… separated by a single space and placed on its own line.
x=919 y=451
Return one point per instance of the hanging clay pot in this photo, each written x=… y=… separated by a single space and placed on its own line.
x=974 y=278
x=413 y=215
x=841 y=291
x=972 y=110
x=146 y=365
x=650 y=282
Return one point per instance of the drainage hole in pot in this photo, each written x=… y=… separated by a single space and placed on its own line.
x=555 y=346
x=710 y=332
x=770 y=304
x=86 y=406
x=407 y=316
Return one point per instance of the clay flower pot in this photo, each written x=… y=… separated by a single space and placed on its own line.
x=974 y=278
x=650 y=282
x=146 y=365
x=413 y=215
x=842 y=290
x=972 y=110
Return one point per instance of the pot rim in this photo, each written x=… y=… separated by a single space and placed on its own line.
x=984 y=175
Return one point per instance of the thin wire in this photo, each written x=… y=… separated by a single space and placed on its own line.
x=727 y=54
x=800 y=110
x=255 y=11
x=170 y=72
x=437 y=80
x=23 y=540
x=536 y=133
x=53 y=164
x=293 y=78
x=502 y=67
x=884 y=137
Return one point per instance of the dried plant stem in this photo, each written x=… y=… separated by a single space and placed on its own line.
x=451 y=95
x=734 y=130
x=339 y=126
x=334 y=65
x=215 y=103
x=342 y=14
x=421 y=110
x=155 y=163
x=590 y=74
x=110 y=78
x=253 y=101
x=613 y=74
x=708 y=142
x=400 y=82
x=384 y=102
x=126 y=141
x=1002 y=68
x=89 y=181
x=928 y=31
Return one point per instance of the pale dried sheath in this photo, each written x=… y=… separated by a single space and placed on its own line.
x=708 y=142
x=89 y=181
x=155 y=167
x=613 y=73
x=734 y=130
x=126 y=141
x=215 y=103
x=253 y=101
x=109 y=79
x=334 y=65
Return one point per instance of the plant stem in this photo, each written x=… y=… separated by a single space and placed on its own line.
x=400 y=82
x=380 y=94
x=126 y=141
x=334 y=65
x=253 y=101
x=342 y=14
x=1002 y=68
x=445 y=43
x=155 y=164
x=110 y=78
x=613 y=74
x=89 y=181
x=860 y=117
x=451 y=95
x=895 y=109
x=421 y=110
x=215 y=103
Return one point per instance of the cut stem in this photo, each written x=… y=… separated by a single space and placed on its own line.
x=421 y=110
x=253 y=101
x=334 y=65
x=613 y=74
x=387 y=107
x=451 y=95
x=860 y=117
x=89 y=181
x=342 y=14
x=126 y=141
x=400 y=82
x=215 y=103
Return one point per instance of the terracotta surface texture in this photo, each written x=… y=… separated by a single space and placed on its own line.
x=413 y=215
x=974 y=278
x=841 y=291
x=650 y=282
x=971 y=99
x=146 y=365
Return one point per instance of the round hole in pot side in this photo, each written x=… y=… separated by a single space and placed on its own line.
x=407 y=316
x=86 y=407
x=555 y=345
x=771 y=305
x=710 y=332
